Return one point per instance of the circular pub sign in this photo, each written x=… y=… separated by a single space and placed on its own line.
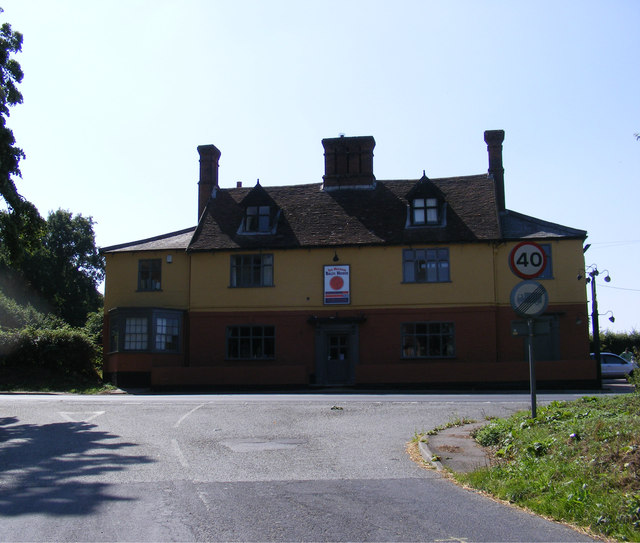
x=527 y=260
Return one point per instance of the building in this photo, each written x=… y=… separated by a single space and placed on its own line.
x=350 y=281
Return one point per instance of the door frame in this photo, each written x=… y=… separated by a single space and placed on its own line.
x=323 y=331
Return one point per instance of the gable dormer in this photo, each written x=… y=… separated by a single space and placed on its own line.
x=426 y=204
x=261 y=213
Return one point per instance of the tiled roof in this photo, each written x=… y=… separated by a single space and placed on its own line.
x=518 y=226
x=312 y=217
x=172 y=241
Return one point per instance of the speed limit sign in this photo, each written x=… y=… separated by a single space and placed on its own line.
x=527 y=260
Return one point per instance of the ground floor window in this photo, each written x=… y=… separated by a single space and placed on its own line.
x=251 y=342
x=145 y=329
x=136 y=334
x=428 y=340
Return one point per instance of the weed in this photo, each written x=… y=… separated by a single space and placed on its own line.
x=576 y=461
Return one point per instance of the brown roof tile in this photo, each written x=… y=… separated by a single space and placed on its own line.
x=312 y=217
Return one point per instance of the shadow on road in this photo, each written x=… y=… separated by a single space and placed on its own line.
x=48 y=468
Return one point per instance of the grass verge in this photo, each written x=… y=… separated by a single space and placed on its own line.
x=576 y=462
x=46 y=381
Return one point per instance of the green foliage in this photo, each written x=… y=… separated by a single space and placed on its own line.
x=20 y=225
x=40 y=351
x=576 y=461
x=93 y=330
x=67 y=268
x=13 y=315
x=61 y=275
x=616 y=342
x=64 y=350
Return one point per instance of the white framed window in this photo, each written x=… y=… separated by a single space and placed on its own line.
x=145 y=329
x=424 y=211
x=136 y=334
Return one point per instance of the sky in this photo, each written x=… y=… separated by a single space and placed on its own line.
x=118 y=95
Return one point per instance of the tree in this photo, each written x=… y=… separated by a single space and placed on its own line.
x=20 y=227
x=67 y=269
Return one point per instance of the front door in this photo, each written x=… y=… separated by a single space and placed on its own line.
x=336 y=354
x=338 y=359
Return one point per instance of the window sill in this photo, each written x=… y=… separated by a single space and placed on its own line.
x=250 y=359
x=251 y=286
x=424 y=282
x=432 y=225
x=426 y=358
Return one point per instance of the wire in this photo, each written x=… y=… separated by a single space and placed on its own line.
x=619 y=288
x=604 y=244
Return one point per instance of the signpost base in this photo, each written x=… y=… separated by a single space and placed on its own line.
x=532 y=369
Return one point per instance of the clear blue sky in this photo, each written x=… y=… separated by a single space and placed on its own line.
x=118 y=95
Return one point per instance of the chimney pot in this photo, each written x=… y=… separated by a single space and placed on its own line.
x=494 y=139
x=348 y=162
x=209 y=157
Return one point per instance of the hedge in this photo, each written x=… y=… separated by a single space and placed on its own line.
x=65 y=350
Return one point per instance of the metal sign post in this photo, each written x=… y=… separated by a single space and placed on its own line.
x=532 y=370
x=529 y=299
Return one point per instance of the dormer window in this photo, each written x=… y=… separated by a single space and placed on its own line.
x=424 y=211
x=258 y=219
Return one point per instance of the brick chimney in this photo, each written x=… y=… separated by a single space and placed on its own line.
x=348 y=162
x=494 y=139
x=209 y=156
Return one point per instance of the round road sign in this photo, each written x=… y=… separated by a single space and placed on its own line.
x=527 y=260
x=529 y=299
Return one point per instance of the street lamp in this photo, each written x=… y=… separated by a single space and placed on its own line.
x=592 y=272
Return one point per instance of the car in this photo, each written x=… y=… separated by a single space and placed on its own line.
x=613 y=365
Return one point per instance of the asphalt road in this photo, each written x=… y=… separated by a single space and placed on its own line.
x=292 y=467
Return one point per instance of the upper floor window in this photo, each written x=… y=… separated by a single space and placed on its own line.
x=149 y=272
x=252 y=270
x=258 y=219
x=425 y=265
x=424 y=211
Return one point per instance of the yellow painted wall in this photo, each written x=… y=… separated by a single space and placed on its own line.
x=375 y=277
x=121 y=282
x=480 y=276
x=567 y=260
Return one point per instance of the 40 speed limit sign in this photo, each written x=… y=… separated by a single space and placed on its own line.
x=527 y=260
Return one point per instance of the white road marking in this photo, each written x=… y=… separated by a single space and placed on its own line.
x=178 y=451
x=80 y=416
x=187 y=414
x=204 y=498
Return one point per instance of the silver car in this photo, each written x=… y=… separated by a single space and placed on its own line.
x=613 y=365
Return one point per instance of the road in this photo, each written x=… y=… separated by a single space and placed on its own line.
x=273 y=467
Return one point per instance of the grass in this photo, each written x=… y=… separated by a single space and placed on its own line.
x=576 y=462
x=46 y=381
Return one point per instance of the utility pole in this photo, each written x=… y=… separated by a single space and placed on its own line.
x=595 y=325
x=593 y=272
